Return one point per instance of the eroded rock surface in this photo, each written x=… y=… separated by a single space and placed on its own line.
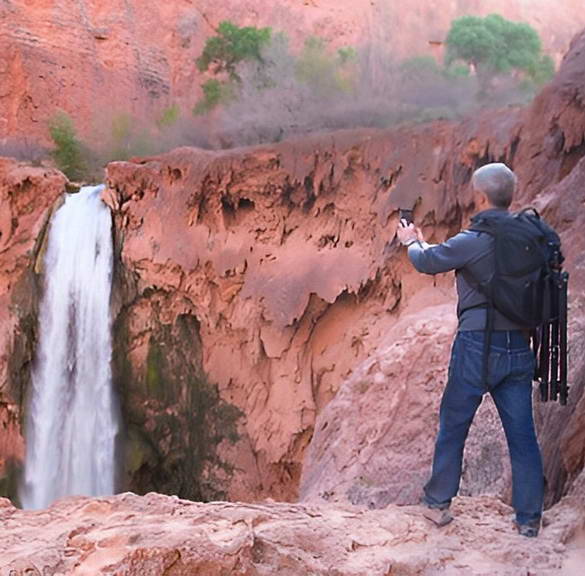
x=284 y=255
x=155 y=534
x=373 y=443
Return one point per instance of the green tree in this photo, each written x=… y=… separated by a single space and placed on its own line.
x=542 y=71
x=69 y=153
x=221 y=56
x=493 y=45
x=215 y=93
x=232 y=45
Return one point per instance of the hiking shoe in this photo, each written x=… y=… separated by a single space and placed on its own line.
x=439 y=516
x=528 y=530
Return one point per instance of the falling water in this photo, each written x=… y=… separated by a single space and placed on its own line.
x=72 y=421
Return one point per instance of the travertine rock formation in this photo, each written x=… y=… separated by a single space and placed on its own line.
x=100 y=59
x=159 y=535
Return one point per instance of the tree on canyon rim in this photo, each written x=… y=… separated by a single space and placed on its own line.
x=494 y=45
x=70 y=154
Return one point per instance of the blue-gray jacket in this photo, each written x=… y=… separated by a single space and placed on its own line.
x=471 y=251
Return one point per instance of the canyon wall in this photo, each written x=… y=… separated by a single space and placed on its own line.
x=283 y=256
x=256 y=286
x=100 y=60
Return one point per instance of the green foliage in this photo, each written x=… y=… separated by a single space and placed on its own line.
x=215 y=93
x=494 y=45
x=347 y=54
x=232 y=45
x=169 y=117
x=69 y=153
x=542 y=71
x=222 y=54
x=457 y=70
x=325 y=72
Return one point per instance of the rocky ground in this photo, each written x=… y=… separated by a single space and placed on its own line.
x=158 y=535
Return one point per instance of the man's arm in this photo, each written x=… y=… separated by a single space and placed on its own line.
x=450 y=255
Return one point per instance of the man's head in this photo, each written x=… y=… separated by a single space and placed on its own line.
x=494 y=186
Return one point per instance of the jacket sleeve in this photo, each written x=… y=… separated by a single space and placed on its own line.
x=453 y=254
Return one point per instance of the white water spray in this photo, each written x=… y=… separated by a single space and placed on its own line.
x=72 y=420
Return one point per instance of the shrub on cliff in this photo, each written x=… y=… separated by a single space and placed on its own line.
x=215 y=93
x=169 y=117
x=69 y=153
x=222 y=55
x=494 y=45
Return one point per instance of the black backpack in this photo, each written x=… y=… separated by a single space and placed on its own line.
x=529 y=287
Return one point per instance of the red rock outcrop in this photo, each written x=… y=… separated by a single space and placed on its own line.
x=27 y=196
x=374 y=441
x=100 y=59
x=262 y=308
x=155 y=535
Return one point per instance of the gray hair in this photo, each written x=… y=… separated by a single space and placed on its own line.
x=497 y=182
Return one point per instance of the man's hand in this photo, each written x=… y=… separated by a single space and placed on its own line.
x=408 y=233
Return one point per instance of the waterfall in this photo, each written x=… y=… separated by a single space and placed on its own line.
x=72 y=419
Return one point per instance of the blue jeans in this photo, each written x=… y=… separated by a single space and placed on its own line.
x=511 y=367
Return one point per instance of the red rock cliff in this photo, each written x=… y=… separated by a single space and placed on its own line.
x=97 y=59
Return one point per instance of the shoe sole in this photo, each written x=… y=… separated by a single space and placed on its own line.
x=438 y=517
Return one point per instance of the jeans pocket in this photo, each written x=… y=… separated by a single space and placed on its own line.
x=523 y=362
x=472 y=365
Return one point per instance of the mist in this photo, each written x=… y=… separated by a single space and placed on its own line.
x=376 y=92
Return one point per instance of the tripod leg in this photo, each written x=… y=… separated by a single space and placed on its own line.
x=544 y=362
x=563 y=339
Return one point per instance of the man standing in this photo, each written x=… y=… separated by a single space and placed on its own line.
x=510 y=366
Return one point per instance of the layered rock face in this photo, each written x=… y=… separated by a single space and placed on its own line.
x=97 y=60
x=159 y=535
x=27 y=196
